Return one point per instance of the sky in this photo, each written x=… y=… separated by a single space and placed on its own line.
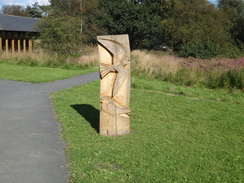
x=40 y=2
x=212 y=1
x=23 y=2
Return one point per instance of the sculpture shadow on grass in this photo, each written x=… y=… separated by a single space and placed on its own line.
x=90 y=113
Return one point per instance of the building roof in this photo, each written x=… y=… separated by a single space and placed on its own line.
x=17 y=23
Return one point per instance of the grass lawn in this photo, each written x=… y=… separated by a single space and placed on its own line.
x=38 y=74
x=178 y=134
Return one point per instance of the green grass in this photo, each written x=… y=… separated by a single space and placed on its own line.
x=178 y=134
x=191 y=92
x=38 y=74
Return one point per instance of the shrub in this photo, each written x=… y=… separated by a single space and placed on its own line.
x=231 y=79
x=232 y=51
x=60 y=35
x=203 y=51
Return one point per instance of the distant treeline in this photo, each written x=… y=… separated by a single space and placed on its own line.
x=34 y=11
x=195 y=28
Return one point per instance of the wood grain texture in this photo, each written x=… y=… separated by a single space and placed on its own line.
x=114 y=52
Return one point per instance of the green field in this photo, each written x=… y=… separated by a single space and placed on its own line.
x=38 y=74
x=178 y=134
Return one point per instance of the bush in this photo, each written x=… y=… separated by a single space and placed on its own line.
x=231 y=79
x=200 y=30
x=129 y=17
x=203 y=51
x=60 y=35
x=232 y=51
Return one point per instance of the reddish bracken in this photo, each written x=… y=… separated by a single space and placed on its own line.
x=215 y=64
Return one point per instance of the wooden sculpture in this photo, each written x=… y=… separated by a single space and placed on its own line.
x=114 y=51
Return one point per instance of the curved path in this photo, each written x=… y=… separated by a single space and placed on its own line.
x=31 y=150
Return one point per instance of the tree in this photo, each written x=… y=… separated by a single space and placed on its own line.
x=35 y=11
x=87 y=13
x=196 y=28
x=91 y=16
x=60 y=31
x=162 y=8
x=70 y=7
x=133 y=18
x=14 y=10
x=60 y=34
x=234 y=9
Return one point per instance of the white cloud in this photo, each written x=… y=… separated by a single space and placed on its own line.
x=40 y=2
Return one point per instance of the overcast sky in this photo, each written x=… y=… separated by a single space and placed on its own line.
x=41 y=2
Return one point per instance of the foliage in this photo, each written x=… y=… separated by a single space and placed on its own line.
x=35 y=11
x=69 y=7
x=17 y=10
x=60 y=35
x=231 y=79
x=92 y=16
x=127 y=17
x=41 y=58
x=234 y=9
x=68 y=26
x=60 y=31
x=232 y=51
x=215 y=73
x=203 y=51
x=199 y=31
x=191 y=27
x=183 y=135
x=185 y=76
x=98 y=17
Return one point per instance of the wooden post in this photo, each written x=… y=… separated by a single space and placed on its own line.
x=30 y=45
x=18 y=45
x=1 y=43
x=13 y=48
x=6 y=45
x=114 y=54
x=24 y=45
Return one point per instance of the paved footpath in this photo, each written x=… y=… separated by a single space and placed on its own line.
x=31 y=150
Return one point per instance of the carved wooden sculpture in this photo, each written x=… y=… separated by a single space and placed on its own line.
x=114 y=54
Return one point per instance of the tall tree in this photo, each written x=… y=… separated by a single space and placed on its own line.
x=69 y=23
x=35 y=11
x=91 y=16
x=196 y=28
x=163 y=8
x=70 y=7
x=234 y=9
x=60 y=34
x=133 y=18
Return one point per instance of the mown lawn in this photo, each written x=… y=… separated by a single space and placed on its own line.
x=38 y=74
x=178 y=134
